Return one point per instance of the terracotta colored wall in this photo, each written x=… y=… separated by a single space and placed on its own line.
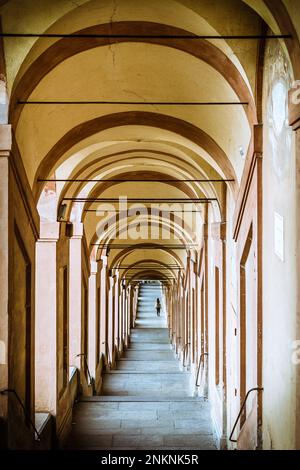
x=18 y=235
x=280 y=281
x=63 y=397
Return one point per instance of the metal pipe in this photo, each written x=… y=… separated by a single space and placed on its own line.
x=186 y=346
x=258 y=389
x=160 y=210
x=109 y=362
x=143 y=36
x=198 y=370
x=87 y=367
x=106 y=199
x=26 y=414
x=138 y=103
x=153 y=263
x=147 y=267
x=118 y=180
x=147 y=247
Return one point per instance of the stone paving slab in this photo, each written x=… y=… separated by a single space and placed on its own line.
x=155 y=356
x=153 y=424
x=138 y=441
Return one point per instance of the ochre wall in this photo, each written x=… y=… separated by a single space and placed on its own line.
x=279 y=281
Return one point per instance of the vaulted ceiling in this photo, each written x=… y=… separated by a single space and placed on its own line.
x=133 y=141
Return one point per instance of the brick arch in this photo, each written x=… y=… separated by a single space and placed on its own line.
x=135 y=264
x=286 y=26
x=179 y=185
x=174 y=226
x=134 y=118
x=127 y=155
x=129 y=249
x=65 y=48
x=121 y=256
x=162 y=221
x=142 y=175
x=150 y=274
x=147 y=260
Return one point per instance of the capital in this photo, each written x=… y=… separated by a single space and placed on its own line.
x=5 y=139
x=294 y=107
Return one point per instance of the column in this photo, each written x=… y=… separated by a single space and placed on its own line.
x=124 y=315
x=294 y=121
x=128 y=314
x=5 y=146
x=110 y=320
x=75 y=287
x=116 y=312
x=103 y=305
x=19 y=233
x=46 y=319
x=93 y=332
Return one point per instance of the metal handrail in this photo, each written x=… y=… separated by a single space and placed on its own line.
x=91 y=380
x=257 y=389
x=107 y=352
x=199 y=365
x=116 y=350
x=26 y=414
x=184 y=353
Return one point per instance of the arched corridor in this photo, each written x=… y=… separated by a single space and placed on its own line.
x=149 y=150
x=146 y=401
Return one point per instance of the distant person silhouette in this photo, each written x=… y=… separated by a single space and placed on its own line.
x=158 y=307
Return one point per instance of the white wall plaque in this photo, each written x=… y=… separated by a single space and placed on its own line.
x=279 y=236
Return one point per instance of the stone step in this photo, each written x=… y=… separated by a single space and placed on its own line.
x=154 y=331
x=147 y=309
x=152 y=295
x=148 y=299
x=156 y=355
x=147 y=384
x=134 y=399
x=150 y=337
x=148 y=366
x=147 y=340
x=139 y=345
x=163 y=373
x=147 y=394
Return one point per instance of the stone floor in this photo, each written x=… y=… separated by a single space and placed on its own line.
x=146 y=402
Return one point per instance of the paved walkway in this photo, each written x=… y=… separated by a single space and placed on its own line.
x=146 y=402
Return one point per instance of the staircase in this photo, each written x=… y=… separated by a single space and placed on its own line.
x=146 y=402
